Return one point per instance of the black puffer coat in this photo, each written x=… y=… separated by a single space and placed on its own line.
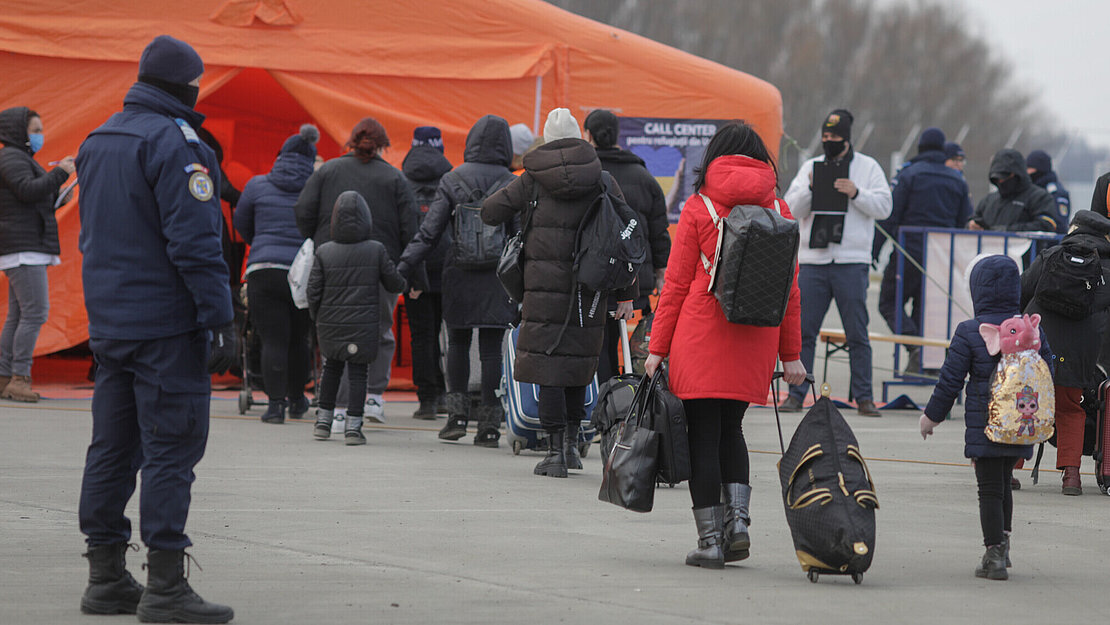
x=343 y=286
x=1075 y=342
x=27 y=191
x=471 y=299
x=1027 y=208
x=568 y=175
x=644 y=195
x=423 y=167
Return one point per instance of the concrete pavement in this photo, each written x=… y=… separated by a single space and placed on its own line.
x=409 y=529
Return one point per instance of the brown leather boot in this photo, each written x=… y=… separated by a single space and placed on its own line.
x=19 y=389
x=1072 y=485
x=4 y=380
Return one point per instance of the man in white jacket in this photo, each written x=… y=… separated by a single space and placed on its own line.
x=835 y=253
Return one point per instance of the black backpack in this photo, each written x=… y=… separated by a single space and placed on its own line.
x=476 y=245
x=1070 y=273
x=753 y=269
x=610 y=244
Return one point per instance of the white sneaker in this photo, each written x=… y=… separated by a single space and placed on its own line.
x=374 y=410
x=339 y=421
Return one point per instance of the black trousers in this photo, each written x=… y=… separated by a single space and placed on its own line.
x=889 y=306
x=283 y=330
x=996 y=499
x=562 y=408
x=329 y=385
x=718 y=452
x=489 y=353
x=425 y=319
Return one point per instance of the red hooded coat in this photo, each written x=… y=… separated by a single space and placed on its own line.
x=709 y=356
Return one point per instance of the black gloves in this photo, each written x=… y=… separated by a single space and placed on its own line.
x=222 y=352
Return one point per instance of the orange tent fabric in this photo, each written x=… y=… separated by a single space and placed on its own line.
x=273 y=64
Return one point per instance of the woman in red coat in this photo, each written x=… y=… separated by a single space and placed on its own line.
x=717 y=368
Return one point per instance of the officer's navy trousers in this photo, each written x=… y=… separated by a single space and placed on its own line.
x=150 y=413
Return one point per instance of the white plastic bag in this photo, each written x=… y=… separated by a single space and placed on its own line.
x=299 y=272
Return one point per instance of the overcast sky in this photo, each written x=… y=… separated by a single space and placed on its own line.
x=1059 y=49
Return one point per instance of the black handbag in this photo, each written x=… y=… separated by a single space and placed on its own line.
x=629 y=476
x=668 y=417
x=510 y=267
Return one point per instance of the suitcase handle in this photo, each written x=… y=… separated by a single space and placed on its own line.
x=625 y=347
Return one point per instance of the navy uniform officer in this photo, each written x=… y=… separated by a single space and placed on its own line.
x=160 y=319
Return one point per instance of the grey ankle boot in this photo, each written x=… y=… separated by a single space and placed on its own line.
x=352 y=432
x=709 y=553
x=993 y=565
x=322 y=429
x=737 y=497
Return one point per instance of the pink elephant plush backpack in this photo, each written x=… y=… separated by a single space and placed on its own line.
x=1023 y=399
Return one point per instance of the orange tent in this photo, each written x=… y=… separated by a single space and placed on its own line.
x=273 y=64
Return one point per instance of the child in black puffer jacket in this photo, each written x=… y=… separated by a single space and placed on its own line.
x=996 y=294
x=343 y=301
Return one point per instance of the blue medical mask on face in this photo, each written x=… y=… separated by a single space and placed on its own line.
x=36 y=140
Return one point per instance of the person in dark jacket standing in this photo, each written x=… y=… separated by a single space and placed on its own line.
x=424 y=166
x=1017 y=205
x=264 y=218
x=564 y=176
x=344 y=298
x=925 y=193
x=393 y=210
x=1039 y=166
x=472 y=297
x=28 y=244
x=996 y=295
x=160 y=321
x=1075 y=343
x=645 y=196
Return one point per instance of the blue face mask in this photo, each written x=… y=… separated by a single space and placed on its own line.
x=36 y=140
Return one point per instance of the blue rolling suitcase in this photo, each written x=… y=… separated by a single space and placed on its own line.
x=521 y=401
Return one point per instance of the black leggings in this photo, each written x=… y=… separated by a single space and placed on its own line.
x=562 y=408
x=489 y=353
x=718 y=453
x=329 y=385
x=996 y=499
x=283 y=329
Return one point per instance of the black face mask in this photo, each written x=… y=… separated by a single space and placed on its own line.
x=1009 y=186
x=186 y=94
x=833 y=149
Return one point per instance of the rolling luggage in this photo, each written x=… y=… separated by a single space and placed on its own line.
x=614 y=398
x=1102 y=440
x=828 y=493
x=521 y=402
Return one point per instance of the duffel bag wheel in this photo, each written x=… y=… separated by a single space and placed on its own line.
x=244 y=400
x=583 y=449
x=517 y=446
x=812 y=575
x=857 y=578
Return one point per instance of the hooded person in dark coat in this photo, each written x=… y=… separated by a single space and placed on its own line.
x=564 y=175
x=645 y=196
x=424 y=166
x=1018 y=204
x=1039 y=166
x=472 y=298
x=28 y=244
x=345 y=302
x=1075 y=343
x=996 y=294
x=265 y=220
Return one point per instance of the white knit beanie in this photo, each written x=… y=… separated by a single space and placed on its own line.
x=560 y=125
x=522 y=138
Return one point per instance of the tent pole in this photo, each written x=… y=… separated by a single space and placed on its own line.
x=539 y=105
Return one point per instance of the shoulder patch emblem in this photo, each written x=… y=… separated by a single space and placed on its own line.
x=201 y=187
x=187 y=130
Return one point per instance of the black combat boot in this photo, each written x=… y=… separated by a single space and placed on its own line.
x=489 y=425
x=111 y=588
x=993 y=565
x=574 y=460
x=275 y=412
x=737 y=543
x=555 y=464
x=709 y=553
x=458 y=413
x=168 y=598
